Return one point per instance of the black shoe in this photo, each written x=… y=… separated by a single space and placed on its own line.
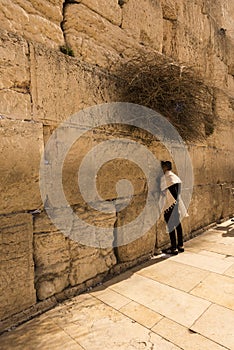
x=181 y=249
x=170 y=251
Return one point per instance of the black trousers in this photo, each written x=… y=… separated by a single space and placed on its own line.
x=172 y=219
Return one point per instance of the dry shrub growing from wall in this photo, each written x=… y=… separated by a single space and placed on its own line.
x=175 y=91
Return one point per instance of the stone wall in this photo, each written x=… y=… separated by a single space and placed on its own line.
x=40 y=87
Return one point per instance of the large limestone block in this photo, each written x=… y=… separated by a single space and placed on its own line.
x=63 y=86
x=21 y=146
x=88 y=262
x=94 y=39
x=14 y=64
x=16 y=264
x=197 y=155
x=108 y=9
x=144 y=245
x=36 y=20
x=15 y=104
x=143 y=20
x=15 y=98
x=201 y=210
x=51 y=256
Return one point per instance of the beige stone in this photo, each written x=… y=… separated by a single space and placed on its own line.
x=169 y=10
x=35 y=20
x=182 y=337
x=143 y=20
x=230 y=271
x=14 y=64
x=21 y=148
x=17 y=268
x=94 y=39
x=51 y=256
x=110 y=10
x=39 y=334
x=15 y=104
x=142 y=246
x=167 y=301
x=141 y=314
x=217 y=289
x=42 y=223
x=204 y=262
x=112 y=298
x=83 y=269
x=96 y=325
x=169 y=272
x=216 y=324
x=66 y=78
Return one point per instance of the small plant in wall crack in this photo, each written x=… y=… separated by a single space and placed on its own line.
x=67 y=50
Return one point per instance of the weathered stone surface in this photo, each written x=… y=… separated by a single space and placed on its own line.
x=109 y=9
x=15 y=104
x=15 y=100
x=143 y=20
x=88 y=262
x=206 y=197
x=94 y=39
x=144 y=245
x=17 y=268
x=14 y=64
x=35 y=20
x=169 y=10
x=57 y=79
x=21 y=146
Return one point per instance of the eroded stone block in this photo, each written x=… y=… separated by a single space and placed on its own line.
x=21 y=146
x=17 y=267
x=143 y=20
x=35 y=20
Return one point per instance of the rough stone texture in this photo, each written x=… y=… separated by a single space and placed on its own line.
x=51 y=256
x=88 y=262
x=35 y=20
x=94 y=39
x=142 y=246
x=61 y=262
x=57 y=79
x=16 y=267
x=143 y=20
x=21 y=146
x=41 y=84
x=109 y=9
x=15 y=76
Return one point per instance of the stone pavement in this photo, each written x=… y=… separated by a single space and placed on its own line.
x=180 y=302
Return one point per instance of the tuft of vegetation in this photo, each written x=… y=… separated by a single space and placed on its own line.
x=175 y=91
x=67 y=50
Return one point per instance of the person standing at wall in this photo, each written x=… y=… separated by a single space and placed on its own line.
x=170 y=193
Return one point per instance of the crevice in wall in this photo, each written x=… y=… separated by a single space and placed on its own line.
x=115 y=237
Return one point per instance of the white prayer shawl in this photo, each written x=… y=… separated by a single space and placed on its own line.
x=166 y=199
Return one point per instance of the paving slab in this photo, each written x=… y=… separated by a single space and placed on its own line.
x=216 y=288
x=112 y=298
x=174 y=274
x=217 y=324
x=203 y=262
x=183 y=337
x=230 y=271
x=141 y=314
x=167 y=301
x=36 y=335
x=180 y=302
x=99 y=326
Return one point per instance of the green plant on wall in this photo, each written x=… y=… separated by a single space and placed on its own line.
x=67 y=50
